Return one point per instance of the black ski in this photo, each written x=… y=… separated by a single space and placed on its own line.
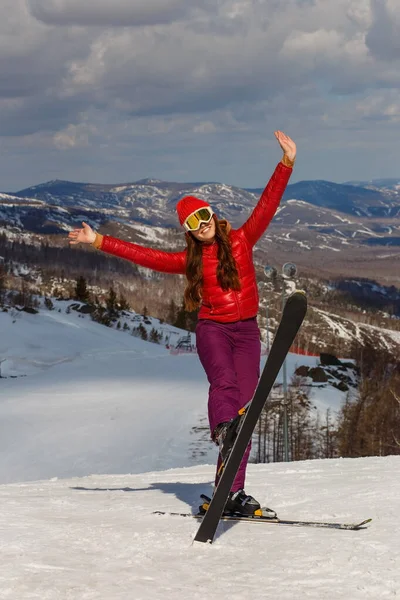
x=268 y=520
x=293 y=315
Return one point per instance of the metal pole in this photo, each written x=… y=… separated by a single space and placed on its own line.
x=289 y=271
x=284 y=374
x=270 y=272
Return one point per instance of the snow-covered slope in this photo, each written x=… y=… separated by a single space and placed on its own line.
x=89 y=399
x=98 y=429
x=95 y=538
x=78 y=398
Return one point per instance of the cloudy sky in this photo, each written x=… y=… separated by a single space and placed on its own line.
x=192 y=90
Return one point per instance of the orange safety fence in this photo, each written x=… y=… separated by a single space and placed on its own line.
x=298 y=350
x=293 y=350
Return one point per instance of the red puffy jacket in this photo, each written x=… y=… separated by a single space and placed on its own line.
x=217 y=304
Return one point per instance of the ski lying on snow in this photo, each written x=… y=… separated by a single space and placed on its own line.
x=265 y=520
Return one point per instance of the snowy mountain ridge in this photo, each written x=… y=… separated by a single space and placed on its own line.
x=334 y=227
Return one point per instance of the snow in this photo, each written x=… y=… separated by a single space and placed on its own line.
x=338 y=328
x=98 y=429
x=366 y=231
x=325 y=247
x=95 y=537
x=303 y=245
x=82 y=382
x=342 y=219
x=153 y=234
x=120 y=188
x=298 y=202
x=340 y=232
x=395 y=335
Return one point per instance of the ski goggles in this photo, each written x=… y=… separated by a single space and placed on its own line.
x=193 y=222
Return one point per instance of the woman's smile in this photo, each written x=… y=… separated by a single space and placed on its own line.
x=206 y=233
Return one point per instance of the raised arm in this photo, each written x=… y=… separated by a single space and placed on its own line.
x=166 y=262
x=270 y=199
x=158 y=260
x=267 y=205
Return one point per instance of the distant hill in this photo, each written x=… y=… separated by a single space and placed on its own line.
x=391 y=184
x=349 y=198
x=340 y=229
x=380 y=200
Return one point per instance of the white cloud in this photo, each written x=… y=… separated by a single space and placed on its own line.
x=382 y=105
x=86 y=13
x=244 y=52
x=205 y=127
x=314 y=46
x=383 y=37
x=226 y=70
x=73 y=136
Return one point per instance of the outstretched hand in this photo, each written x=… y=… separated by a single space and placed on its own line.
x=86 y=235
x=287 y=144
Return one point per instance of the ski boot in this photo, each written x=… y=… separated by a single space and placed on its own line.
x=240 y=504
x=225 y=434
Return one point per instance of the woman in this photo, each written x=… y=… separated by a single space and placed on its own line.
x=221 y=281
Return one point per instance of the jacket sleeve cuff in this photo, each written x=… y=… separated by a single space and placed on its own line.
x=98 y=241
x=287 y=161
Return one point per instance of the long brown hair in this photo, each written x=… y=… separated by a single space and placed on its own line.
x=227 y=273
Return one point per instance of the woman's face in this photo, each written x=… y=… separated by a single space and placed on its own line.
x=206 y=233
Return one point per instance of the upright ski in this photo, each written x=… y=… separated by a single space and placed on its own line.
x=293 y=315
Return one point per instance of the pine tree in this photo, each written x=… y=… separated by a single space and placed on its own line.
x=24 y=297
x=2 y=284
x=101 y=315
x=81 y=291
x=171 y=315
x=191 y=319
x=111 y=304
x=369 y=423
x=181 y=317
x=143 y=332
x=154 y=336
x=48 y=303
x=123 y=303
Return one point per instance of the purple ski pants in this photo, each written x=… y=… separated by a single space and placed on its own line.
x=230 y=355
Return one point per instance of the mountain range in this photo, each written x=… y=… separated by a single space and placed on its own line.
x=327 y=225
